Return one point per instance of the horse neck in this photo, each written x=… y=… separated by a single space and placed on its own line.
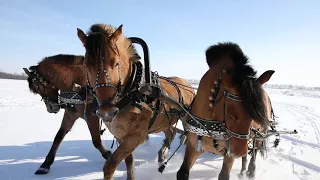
x=126 y=70
x=201 y=107
x=64 y=80
x=125 y=65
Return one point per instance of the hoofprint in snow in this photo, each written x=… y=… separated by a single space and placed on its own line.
x=27 y=132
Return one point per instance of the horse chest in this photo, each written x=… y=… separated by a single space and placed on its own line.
x=119 y=127
x=123 y=125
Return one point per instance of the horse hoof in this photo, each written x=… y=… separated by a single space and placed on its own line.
x=161 y=162
x=42 y=171
x=107 y=154
x=250 y=175
x=240 y=176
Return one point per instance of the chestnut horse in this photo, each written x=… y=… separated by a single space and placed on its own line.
x=110 y=59
x=61 y=72
x=230 y=108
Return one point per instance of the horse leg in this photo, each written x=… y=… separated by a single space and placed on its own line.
x=169 y=134
x=67 y=123
x=244 y=166
x=226 y=168
x=190 y=158
x=184 y=125
x=94 y=127
x=130 y=167
x=252 y=165
x=127 y=146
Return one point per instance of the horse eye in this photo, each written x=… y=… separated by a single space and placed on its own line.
x=232 y=118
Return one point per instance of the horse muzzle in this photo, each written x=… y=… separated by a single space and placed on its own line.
x=107 y=114
x=52 y=108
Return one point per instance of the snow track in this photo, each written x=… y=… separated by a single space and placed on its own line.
x=27 y=132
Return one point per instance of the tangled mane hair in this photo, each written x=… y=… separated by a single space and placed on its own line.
x=244 y=77
x=97 y=39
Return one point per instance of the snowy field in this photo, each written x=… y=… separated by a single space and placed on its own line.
x=27 y=131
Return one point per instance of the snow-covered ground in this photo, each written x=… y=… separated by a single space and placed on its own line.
x=27 y=131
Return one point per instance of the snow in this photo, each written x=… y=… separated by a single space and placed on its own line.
x=27 y=132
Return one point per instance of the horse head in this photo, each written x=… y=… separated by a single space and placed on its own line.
x=108 y=60
x=38 y=85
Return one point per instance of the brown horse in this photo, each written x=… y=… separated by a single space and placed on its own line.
x=64 y=72
x=61 y=72
x=229 y=109
x=110 y=61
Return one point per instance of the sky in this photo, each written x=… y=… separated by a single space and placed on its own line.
x=276 y=35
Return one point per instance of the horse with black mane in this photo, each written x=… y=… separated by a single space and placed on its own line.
x=230 y=108
x=110 y=62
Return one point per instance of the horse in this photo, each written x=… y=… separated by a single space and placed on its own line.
x=229 y=109
x=62 y=72
x=110 y=61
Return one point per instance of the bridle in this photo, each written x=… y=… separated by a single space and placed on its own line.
x=118 y=87
x=36 y=78
x=215 y=101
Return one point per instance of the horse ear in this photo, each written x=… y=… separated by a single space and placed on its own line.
x=265 y=76
x=27 y=71
x=82 y=36
x=116 y=35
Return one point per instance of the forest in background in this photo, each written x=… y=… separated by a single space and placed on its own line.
x=5 y=75
x=23 y=76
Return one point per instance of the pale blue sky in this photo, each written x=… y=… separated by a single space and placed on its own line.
x=279 y=35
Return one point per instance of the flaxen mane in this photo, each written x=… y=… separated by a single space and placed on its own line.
x=244 y=77
x=97 y=35
x=61 y=70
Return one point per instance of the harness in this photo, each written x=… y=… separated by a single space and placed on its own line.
x=216 y=129
x=66 y=100
x=131 y=93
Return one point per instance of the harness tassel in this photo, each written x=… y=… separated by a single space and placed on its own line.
x=199 y=144
x=182 y=142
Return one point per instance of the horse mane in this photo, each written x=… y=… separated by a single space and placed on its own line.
x=95 y=42
x=244 y=77
x=62 y=70
x=66 y=59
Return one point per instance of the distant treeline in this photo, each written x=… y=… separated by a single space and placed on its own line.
x=294 y=87
x=4 y=75
x=273 y=86
x=23 y=76
x=193 y=81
